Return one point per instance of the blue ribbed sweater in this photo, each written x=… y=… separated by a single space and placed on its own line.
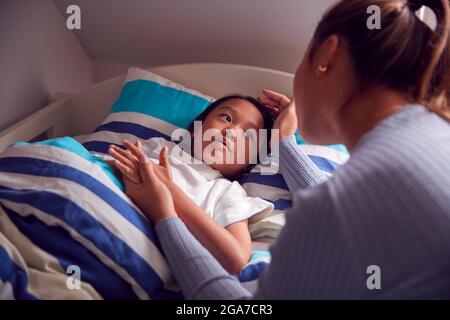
x=387 y=208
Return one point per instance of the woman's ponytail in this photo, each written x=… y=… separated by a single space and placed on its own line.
x=433 y=89
x=405 y=54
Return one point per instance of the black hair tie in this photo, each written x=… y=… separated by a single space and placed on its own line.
x=415 y=5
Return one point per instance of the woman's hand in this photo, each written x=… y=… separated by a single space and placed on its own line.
x=152 y=196
x=282 y=109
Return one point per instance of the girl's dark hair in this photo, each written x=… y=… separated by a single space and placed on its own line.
x=268 y=120
x=404 y=54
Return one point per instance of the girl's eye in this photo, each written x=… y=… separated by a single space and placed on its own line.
x=227 y=117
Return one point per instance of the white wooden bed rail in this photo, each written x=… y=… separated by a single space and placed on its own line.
x=50 y=121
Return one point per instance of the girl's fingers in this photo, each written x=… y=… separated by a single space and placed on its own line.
x=126 y=153
x=133 y=148
x=146 y=169
x=163 y=158
x=127 y=172
x=138 y=144
x=147 y=172
x=118 y=156
x=143 y=160
x=137 y=152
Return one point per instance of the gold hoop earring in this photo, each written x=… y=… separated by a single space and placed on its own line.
x=321 y=69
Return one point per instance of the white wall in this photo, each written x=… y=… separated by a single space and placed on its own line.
x=106 y=70
x=38 y=57
x=264 y=33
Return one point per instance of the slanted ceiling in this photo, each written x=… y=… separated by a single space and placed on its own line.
x=267 y=33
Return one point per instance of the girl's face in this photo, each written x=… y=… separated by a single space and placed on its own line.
x=236 y=116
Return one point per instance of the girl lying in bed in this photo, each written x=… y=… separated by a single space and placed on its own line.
x=215 y=209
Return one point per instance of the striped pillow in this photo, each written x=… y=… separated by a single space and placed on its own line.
x=148 y=106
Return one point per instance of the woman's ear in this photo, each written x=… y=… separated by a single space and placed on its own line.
x=327 y=54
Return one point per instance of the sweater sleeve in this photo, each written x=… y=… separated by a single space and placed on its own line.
x=198 y=273
x=310 y=259
x=297 y=169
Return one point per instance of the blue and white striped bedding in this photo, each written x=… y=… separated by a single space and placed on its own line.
x=61 y=206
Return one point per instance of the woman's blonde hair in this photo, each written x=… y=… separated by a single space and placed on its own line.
x=404 y=54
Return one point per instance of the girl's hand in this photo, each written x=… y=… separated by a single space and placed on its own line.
x=282 y=109
x=163 y=170
x=152 y=196
x=126 y=162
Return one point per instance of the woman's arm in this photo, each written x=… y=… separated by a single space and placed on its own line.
x=297 y=169
x=312 y=258
x=230 y=246
x=198 y=274
x=295 y=166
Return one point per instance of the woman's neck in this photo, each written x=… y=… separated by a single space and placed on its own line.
x=365 y=111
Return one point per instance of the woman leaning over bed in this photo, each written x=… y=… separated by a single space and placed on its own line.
x=384 y=94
